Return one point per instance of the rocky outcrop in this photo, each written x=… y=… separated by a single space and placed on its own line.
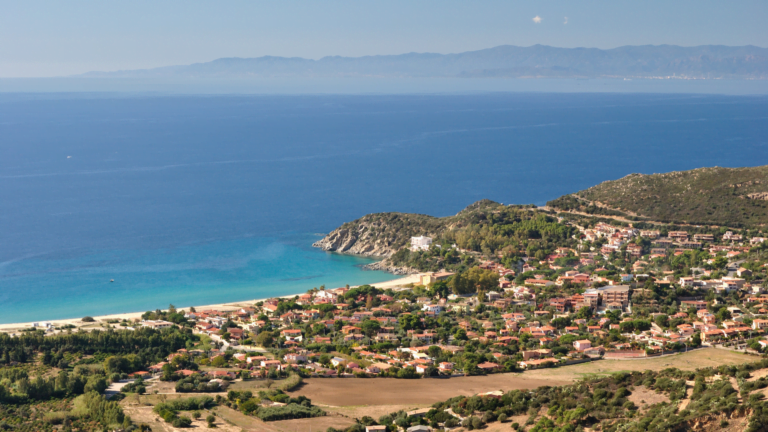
x=383 y=234
x=355 y=240
x=387 y=266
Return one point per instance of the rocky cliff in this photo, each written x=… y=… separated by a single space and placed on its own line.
x=383 y=234
x=378 y=235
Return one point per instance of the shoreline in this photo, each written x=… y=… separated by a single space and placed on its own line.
x=98 y=319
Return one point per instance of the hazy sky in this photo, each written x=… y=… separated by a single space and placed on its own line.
x=53 y=37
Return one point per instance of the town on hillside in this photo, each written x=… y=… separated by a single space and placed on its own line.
x=573 y=305
x=555 y=291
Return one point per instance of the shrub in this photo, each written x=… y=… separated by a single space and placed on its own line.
x=87 y=319
x=57 y=417
x=288 y=412
x=182 y=422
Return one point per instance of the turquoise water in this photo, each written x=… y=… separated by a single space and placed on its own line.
x=193 y=274
x=208 y=199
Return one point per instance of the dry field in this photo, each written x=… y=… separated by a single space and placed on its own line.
x=348 y=398
x=391 y=391
x=144 y=415
x=644 y=397
x=708 y=357
x=247 y=423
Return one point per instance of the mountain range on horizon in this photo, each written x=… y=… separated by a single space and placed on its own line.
x=505 y=61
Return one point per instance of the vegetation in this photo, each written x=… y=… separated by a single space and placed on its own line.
x=490 y=229
x=169 y=410
x=733 y=197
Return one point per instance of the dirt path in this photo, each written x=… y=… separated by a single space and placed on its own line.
x=756 y=375
x=688 y=393
x=735 y=384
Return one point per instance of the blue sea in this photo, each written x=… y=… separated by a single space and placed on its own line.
x=204 y=199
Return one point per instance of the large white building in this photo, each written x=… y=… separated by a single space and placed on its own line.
x=420 y=243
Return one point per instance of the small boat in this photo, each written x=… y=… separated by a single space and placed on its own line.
x=111 y=280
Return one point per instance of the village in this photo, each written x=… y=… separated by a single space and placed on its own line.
x=573 y=306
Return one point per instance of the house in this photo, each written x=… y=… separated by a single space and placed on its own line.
x=293 y=335
x=420 y=243
x=696 y=304
x=489 y=367
x=157 y=325
x=759 y=324
x=615 y=294
x=377 y=428
x=538 y=282
x=378 y=368
x=534 y=363
x=235 y=333
x=582 y=345
x=222 y=374
x=492 y=295
x=434 y=277
x=432 y=307
x=336 y=361
x=295 y=358
x=741 y=272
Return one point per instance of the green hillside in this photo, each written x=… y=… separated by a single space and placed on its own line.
x=733 y=197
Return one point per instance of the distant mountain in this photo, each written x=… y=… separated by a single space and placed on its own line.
x=538 y=61
x=734 y=197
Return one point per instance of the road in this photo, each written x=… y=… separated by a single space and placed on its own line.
x=115 y=387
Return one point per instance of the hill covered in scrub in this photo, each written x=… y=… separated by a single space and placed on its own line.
x=732 y=197
x=383 y=234
x=484 y=228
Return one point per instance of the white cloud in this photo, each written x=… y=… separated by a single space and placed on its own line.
x=566 y=20
x=537 y=19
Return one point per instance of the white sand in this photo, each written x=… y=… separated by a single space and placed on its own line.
x=77 y=322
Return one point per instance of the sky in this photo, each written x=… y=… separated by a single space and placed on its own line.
x=54 y=38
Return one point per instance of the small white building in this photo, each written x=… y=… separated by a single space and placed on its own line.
x=420 y=243
x=432 y=307
x=157 y=325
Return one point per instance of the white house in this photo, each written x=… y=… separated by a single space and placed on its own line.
x=432 y=307
x=420 y=243
x=157 y=325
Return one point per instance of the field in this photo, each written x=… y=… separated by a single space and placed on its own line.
x=707 y=357
x=391 y=391
x=350 y=398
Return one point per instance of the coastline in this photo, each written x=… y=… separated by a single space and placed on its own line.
x=98 y=320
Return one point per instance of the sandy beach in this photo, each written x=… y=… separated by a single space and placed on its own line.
x=78 y=322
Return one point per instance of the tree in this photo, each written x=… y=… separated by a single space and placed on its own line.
x=264 y=339
x=211 y=421
x=439 y=289
x=370 y=327
x=434 y=351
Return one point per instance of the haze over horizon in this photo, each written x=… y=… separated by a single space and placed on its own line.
x=52 y=39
